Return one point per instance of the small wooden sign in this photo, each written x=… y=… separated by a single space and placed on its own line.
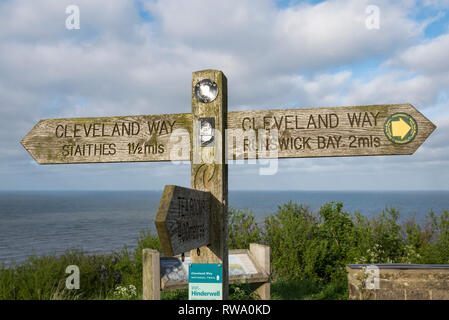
x=183 y=219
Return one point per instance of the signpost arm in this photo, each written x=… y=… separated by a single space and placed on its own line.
x=209 y=171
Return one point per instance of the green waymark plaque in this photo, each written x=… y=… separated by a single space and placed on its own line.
x=401 y=128
x=205 y=281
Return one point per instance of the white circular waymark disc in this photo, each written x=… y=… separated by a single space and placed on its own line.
x=206 y=90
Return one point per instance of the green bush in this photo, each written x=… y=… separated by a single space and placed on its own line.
x=318 y=246
x=243 y=229
x=338 y=233
x=310 y=246
x=291 y=234
x=437 y=250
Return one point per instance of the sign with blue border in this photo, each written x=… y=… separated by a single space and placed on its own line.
x=205 y=281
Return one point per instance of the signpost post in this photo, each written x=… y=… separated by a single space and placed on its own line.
x=209 y=169
x=208 y=137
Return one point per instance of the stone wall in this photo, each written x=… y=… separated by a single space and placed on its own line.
x=398 y=282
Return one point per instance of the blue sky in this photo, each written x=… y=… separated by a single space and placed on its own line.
x=137 y=58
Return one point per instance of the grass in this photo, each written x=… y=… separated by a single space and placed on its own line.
x=308 y=290
x=280 y=290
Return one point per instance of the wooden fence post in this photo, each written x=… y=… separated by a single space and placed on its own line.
x=151 y=288
x=261 y=255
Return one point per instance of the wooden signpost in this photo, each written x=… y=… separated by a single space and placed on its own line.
x=208 y=137
x=395 y=129
x=183 y=220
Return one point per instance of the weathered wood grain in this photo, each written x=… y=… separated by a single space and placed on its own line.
x=183 y=219
x=151 y=286
x=110 y=139
x=261 y=256
x=328 y=132
x=209 y=171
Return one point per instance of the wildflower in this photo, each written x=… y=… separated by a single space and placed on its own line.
x=125 y=292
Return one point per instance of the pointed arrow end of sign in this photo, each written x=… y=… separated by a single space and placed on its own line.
x=27 y=142
x=24 y=144
x=431 y=124
x=30 y=152
x=426 y=128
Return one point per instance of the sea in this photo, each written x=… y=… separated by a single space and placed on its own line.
x=50 y=222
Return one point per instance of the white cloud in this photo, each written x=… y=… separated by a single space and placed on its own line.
x=296 y=39
x=393 y=88
x=335 y=32
x=430 y=57
x=44 y=20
